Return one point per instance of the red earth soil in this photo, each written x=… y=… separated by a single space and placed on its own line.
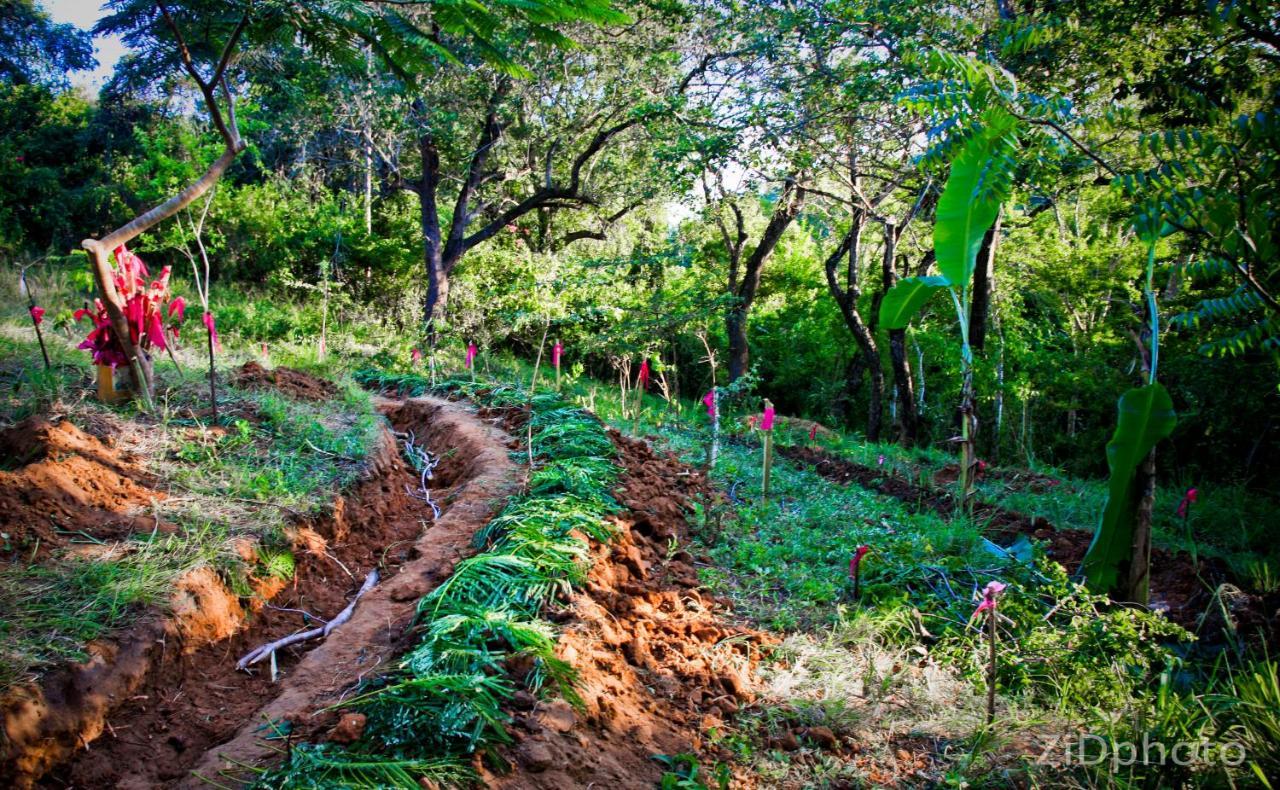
x=294 y=383
x=1183 y=589
x=154 y=702
x=658 y=661
x=58 y=481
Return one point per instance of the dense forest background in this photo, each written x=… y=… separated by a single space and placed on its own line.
x=739 y=181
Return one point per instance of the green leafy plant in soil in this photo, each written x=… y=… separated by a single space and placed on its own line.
x=445 y=698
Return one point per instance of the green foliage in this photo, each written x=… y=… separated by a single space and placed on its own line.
x=1146 y=416
x=977 y=185
x=906 y=297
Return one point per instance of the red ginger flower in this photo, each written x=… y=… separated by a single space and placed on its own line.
x=37 y=314
x=766 y=419
x=989 y=595
x=556 y=351
x=1188 y=499
x=644 y=374
x=709 y=400
x=856 y=560
x=143 y=310
x=471 y=355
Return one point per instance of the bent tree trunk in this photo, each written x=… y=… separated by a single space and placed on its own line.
x=99 y=249
x=846 y=299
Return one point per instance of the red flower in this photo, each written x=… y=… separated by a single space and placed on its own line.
x=37 y=314
x=989 y=595
x=471 y=354
x=856 y=560
x=1188 y=499
x=556 y=351
x=766 y=419
x=644 y=374
x=179 y=306
x=709 y=400
x=416 y=356
x=813 y=432
x=210 y=325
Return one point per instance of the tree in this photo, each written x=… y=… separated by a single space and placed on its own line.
x=34 y=50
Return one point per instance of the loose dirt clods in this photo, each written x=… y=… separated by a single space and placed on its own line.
x=294 y=383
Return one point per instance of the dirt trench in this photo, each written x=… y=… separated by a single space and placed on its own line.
x=660 y=661
x=164 y=701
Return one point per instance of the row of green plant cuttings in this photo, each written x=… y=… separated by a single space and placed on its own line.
x=480 y=635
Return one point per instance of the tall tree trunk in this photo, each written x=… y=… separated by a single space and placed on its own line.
x=433 y=250
x=983 y=287
x=908 y=419
x=739 y=354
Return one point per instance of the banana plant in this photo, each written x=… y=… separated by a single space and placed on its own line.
x=1119 y=558
x=978 y=183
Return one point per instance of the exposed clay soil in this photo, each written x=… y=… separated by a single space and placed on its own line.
x=153 y=702
x=294 y=383
x=57 y=481
x=1179 y=587
x=659 y=662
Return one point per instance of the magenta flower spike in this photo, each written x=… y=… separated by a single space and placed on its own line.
x=556 y=352
x=1188 y=499
x=471 y=355
x=416 y=356
x=37 y=314
x=989 y=595
x=644 y=374
x=766 y=419
x=813 y=432
x=709 y=400
x=213 y=329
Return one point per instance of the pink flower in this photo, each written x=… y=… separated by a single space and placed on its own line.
x=416 y=356
x=644 y=374
x=37 y=314
x=556 y=351
x=213 y=329
x=766 y=419
x=880 y=460
x=264 y=350
x=982 y=465
x=856 y=560
x=471 y=355
x=709 y=400
x=813 y=432
x=179 y=306
x=751 y=422
x=989 y=595
x=1188 y=499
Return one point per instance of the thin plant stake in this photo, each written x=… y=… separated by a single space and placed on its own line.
x=766 y=427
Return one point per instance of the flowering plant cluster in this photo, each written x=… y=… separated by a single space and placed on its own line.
x=146 y=306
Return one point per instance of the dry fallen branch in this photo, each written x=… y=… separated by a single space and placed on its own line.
x=257 y=654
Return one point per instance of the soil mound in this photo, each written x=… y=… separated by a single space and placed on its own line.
x=287 y=381
x=658 y=662
x=56 y=481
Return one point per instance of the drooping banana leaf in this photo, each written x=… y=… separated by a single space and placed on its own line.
x=1146 y=416
x=905 y=298
x=978 y=183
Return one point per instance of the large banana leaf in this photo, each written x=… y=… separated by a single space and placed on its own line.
x=1146 y=416
x=905 y=298
x=971 y=199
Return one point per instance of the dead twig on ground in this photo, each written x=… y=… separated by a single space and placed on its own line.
x=256 y=655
